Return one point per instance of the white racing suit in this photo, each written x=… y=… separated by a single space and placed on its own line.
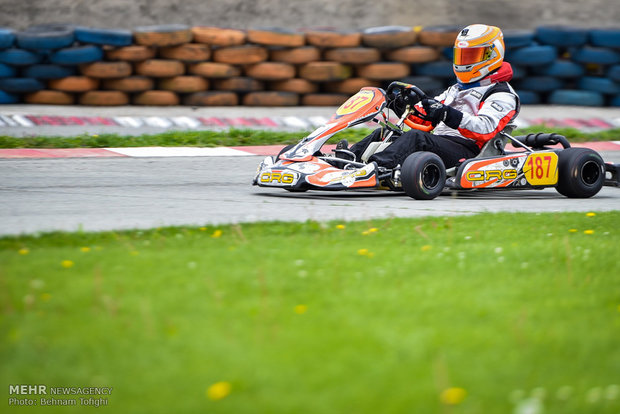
x=486 y=110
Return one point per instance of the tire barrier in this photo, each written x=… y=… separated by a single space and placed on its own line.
x=174 y=64
x=110 y=37
x=539 y=84
x=563 y=69
x=576 y=97
x=562 y=36
x=20 y=57
x=21 y=85
x=518 y=38
x=8 y=98
x=605 y=86
x=77 y=55
x=389 y=37
x=7 y=71
x=45 y=37
x=48 y=71
x=605 y=37
x=7 y=38
x=532 y=55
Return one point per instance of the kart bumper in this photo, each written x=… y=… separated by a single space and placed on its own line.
x=315 y=174
x=612 y=175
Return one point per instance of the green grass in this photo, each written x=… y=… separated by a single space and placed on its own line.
x=505 y=311
x=238 y=137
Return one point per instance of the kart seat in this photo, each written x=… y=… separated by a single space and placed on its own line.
x=495 y=146
x=373 y=148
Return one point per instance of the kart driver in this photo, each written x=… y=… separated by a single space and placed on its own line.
x=467 y=114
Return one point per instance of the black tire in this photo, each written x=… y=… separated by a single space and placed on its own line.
x=7 y=38
x=7 y=71
x=540 y=84
x=21 y=85
x=518 y=38
x=564 y=69
x=533 y=55
x=423 y=175
x=8 y=98
x=112 y=37
x=48 y=71
x=77 y=55
x=19 y=57
x=576 y=97
x=581 y=173
x=605 y=37
x=562 y=36
x=45 y=37
x=596 y=55
x=605 y=86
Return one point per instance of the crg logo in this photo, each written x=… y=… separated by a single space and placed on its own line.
x=277 y=177
x=487 y=175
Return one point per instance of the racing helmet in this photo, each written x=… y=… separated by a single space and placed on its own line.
x=478 y=51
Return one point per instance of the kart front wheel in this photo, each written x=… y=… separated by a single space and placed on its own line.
x=423 y=175
x=581 y=173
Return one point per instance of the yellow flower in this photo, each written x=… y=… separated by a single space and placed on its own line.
x=373 y=230
x=340 y=226
x=67 y=264
x=590 y=214
x=85 y=249
x=365 y=252
x=23 y=251
x=426 y=248
x=572 y=230
x=453 y=396
x=301 y=309
x=203 y=229
x=588 y=232
x=219 y=390
x=216 y=234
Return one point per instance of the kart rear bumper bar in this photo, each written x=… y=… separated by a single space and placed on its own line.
x=612 y=175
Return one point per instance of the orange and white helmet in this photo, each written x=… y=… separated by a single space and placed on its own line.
x=478 y=51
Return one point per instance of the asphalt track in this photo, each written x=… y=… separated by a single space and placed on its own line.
x=40 y=195
x=115 y=193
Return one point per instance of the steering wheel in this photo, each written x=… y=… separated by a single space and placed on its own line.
x=410 y=94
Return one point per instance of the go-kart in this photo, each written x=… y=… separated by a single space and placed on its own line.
x=574 y=172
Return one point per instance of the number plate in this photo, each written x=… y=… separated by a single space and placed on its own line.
x=541 y=168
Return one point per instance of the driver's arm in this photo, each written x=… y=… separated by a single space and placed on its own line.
x=439 y=98
x=494 y=114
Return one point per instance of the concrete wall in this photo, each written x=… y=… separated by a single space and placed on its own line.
x=296 y=14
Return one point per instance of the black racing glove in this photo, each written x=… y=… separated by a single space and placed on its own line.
x=399 y=100
x=397 y=103
x=437 y=112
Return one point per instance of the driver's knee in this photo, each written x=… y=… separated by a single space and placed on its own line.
x=418 y=140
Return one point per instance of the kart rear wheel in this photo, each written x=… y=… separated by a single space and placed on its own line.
x=581 y=173
x=423 y=175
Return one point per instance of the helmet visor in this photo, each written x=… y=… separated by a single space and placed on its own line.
x=471 y=55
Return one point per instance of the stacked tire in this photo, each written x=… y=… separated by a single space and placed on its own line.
x=565 y=65
x=212 y=66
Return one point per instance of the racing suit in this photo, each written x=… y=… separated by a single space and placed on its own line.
x=486 y=107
